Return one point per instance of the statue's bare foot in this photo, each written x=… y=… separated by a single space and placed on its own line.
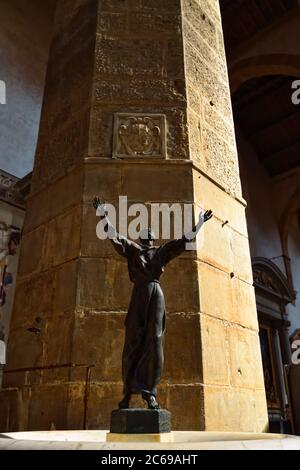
x=151 y=401
x=124 y=404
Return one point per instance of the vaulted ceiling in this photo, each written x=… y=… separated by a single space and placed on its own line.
x=263 y=109
x=243 y=18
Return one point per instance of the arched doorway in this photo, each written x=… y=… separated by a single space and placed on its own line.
x=268 y=128
x=273 y=294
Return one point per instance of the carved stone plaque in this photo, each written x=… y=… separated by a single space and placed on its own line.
x=138 y=135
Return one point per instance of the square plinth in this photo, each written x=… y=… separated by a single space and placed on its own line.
x=140 y=421
x=147 y=438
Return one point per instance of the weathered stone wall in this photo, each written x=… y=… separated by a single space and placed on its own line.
x=211 y=130
x=65 y=120
x=233 y=387
x=74 y=286
x=139 y=68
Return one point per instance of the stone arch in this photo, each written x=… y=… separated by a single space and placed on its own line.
x=291 y=207
x=269 y=277
x=244 y=70
x=259 y=66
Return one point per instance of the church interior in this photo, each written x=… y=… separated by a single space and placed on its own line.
x=262 y=64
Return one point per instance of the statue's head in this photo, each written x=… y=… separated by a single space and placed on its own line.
x=147 y=237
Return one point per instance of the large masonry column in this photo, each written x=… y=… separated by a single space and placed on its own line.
x=117 y=66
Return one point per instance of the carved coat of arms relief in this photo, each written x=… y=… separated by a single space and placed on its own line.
x=139 y=135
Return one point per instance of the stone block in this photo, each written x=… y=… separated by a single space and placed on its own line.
x=54 y=200
x=113 y=5
x=222 y=127
x=102 y=120
x=31 y=252
x=215 y=245
x=194 y=123
x=182 y=350
x=98 y=340
x=69 y=10
x=126 y=56
x=58 y=338
x=65 y=287
x=212 y=9
x=76 y=406
x=245 y=359
x=185 y=402
x=195 y=101
x=227 y=298
x=112 y=22
x=14 y=379
x=221 y=161
x=244 y=311
x=161 y=6
x=25 y=349
x=65 y=150
x=216 y=292
x=91 y=245
x=229 y=410
x=201 y=22
x=62 y=239
x=33 y=300
x=180 y=285
x=174 y=58
x=139 y=91
x=166 y=183
x=54 y=376
x=210 y=55
x=102 y=124
x=61 y=103
x=214 y=348
x=224 y=206
x=74 y=311
x=103 y=399
x=242 y=267
x=47 y=407
x=10 y=419
x=221 y=44
x=103 y=284
x=125 y=127
x=103 y=180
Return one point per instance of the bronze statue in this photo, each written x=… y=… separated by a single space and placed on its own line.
x=143 y=357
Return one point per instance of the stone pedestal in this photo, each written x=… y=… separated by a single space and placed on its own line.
x=140 y=425
x=113 y=64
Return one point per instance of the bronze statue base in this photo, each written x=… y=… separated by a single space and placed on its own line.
x=140 y=421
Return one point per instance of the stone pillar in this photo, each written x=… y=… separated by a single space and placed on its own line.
x=113 y=62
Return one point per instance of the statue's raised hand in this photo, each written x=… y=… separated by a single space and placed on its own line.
x=207 y=215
